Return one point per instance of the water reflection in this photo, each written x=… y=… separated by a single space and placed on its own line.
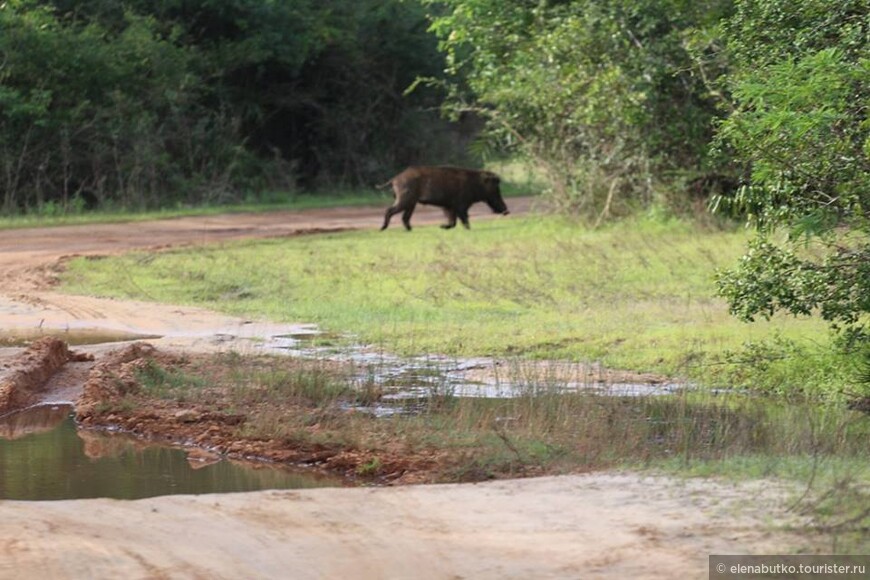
x=35 y=420
x=44 y=457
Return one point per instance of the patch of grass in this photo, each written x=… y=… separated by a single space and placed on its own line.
x=314 y=386
x=637 y=295
x=167 y=383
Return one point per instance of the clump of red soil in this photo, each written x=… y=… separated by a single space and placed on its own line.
x=24 y=377
x=115 y=376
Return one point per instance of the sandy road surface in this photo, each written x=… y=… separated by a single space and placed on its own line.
x=579 y=526
x=593 y=526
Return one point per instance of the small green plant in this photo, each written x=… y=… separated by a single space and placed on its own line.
x=369 y=468
x=123 y=405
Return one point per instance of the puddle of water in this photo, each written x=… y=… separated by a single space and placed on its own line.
x=76 y=337
x=403 y=380
x=44 y=457
x=310 y=338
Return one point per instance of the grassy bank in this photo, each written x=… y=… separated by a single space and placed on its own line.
x=636 y=295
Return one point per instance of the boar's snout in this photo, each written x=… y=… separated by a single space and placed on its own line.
x=498 y=206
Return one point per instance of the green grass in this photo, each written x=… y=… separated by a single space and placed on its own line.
x=637 y=295
x=166 y=383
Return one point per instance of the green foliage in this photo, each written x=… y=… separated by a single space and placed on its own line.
x=602 y=94
x=801 y=88
x=90 y=111
x=771 y=278
x=800 y=124
x=789 y=368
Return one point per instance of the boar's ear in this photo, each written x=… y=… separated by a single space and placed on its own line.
x=491 y=178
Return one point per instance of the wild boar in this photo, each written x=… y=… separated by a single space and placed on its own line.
x=452 y=188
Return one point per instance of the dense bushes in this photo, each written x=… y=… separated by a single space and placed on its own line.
x=801 y=123
x=605 y=96
x=150 y=103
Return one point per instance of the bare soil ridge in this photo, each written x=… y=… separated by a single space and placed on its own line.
x=22 y=379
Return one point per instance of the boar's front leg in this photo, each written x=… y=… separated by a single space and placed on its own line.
x=463 y=217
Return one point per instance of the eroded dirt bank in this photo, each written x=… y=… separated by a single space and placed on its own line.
x=23 y=378
x=584 y=526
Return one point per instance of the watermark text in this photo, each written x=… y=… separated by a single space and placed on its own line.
x=809 y=567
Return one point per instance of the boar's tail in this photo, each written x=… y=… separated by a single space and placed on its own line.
x=384 y=185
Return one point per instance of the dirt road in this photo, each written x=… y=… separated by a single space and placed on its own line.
x=578 y=526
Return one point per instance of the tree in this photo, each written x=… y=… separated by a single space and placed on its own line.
x=801 y=88
x=86 y=109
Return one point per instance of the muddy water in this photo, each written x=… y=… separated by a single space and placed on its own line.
x=43 y=456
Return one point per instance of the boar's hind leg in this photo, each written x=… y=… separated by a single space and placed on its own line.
x=406 y=217
x=391 y=211
x=451 y=219
x=406 y=208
